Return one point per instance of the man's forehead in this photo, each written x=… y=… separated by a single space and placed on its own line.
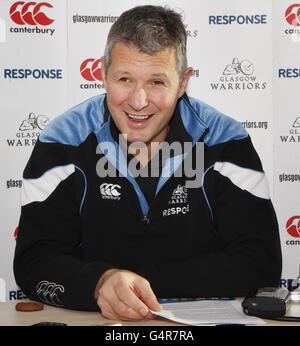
x=128 y=48
x=128 y=54
x=123 y=72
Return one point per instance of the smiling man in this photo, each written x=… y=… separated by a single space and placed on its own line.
x=118 y=242
x=143 y=90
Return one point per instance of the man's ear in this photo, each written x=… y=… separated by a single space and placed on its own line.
x=185 y=81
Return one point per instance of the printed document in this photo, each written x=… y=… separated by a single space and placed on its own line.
x=207 y=312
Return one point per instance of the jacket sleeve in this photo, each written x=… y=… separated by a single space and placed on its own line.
x=47 y=262
x=246 y=229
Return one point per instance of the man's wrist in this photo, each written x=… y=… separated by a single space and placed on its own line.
x=102 y=279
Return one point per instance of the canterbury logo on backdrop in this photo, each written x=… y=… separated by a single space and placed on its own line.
x=30 y=13
x=110 y=191
x=90 y=69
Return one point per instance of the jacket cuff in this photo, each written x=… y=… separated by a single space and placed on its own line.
x=81 y=296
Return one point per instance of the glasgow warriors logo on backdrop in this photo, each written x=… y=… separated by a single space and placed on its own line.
x=293 y=136
x=238 y=76
x=29 y=130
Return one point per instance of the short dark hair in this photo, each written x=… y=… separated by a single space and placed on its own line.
x=151 y=29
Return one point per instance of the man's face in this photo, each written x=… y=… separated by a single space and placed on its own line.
x=142 y=91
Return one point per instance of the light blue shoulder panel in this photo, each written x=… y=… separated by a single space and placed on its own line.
x=222 y=128
x=75 y=125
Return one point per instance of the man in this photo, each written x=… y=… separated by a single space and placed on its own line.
x=93 y=235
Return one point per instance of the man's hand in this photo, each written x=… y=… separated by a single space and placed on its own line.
x=124 y=295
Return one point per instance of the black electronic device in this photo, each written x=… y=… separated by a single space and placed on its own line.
x=273 y=302
x=268 y=302
x=49 y=324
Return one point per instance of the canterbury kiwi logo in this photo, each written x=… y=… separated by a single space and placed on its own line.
x=47 y=291
x=90 y=69
x=110 y=191
x=30 y=13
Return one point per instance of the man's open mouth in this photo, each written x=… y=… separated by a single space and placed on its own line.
x=138 y=117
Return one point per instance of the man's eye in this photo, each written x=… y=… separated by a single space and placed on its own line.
x=124 y=79
x=158 y=82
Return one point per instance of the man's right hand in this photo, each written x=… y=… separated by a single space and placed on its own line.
x=124 y=295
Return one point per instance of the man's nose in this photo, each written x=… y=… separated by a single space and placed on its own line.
x=138 y=99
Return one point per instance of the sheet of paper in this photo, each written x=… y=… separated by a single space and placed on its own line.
x=207 y=312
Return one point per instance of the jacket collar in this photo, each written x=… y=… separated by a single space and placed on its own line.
x=185 y=125
x=190 y=127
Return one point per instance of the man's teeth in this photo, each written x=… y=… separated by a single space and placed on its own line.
x=139 y=117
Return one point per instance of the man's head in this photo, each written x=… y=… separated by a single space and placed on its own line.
x=145 y=71
x=151 y=29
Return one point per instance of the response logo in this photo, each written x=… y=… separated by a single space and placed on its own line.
x=292 y=15
x=30 y=13
x=293 y=226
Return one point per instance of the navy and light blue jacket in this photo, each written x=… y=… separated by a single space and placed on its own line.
x=219 y=239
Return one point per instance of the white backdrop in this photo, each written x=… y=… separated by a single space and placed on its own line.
x=245 y=56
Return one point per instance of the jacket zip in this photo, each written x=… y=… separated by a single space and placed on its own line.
x=145 y=220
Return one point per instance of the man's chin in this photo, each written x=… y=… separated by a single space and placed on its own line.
x=132 y=138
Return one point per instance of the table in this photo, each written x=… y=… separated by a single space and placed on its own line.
x=10 y=317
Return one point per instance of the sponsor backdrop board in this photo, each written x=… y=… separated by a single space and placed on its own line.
x=286 y=105
x=245 y=55
x=33 y=76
